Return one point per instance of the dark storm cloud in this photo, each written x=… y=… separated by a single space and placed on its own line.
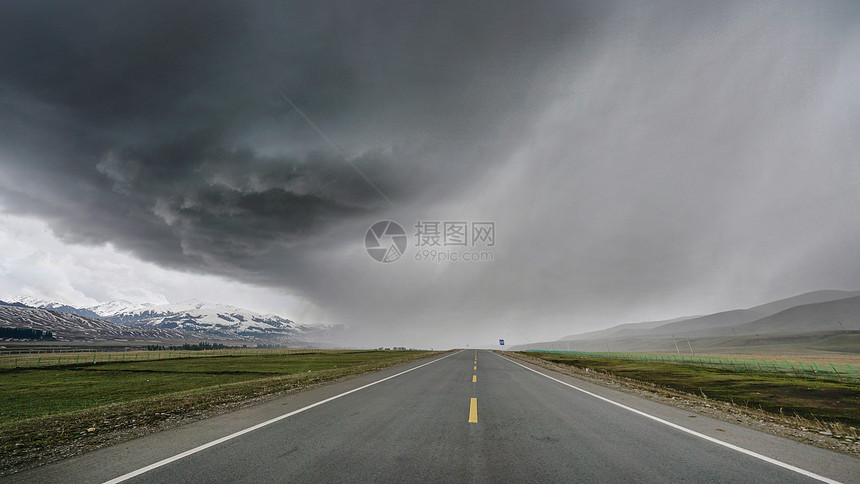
x=166 y=129
x=630 y=153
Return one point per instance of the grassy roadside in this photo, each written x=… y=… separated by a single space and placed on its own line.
x=52 y=413
x=827 y=401
x=831 y=435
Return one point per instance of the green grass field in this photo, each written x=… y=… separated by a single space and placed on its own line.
x=834 y=401
x=47 y=409
x=41 y=408
x=35 y=392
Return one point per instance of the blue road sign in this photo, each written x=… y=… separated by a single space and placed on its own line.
x=501 y=342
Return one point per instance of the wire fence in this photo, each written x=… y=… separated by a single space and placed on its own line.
x=800 y=369
x=42 y=360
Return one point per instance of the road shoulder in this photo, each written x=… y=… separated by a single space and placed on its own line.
x=705 y=416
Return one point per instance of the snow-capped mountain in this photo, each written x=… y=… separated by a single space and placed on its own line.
x=193 y=318
x=98 y=311
x=28 y=301
x=67 y=326
x=113 y=308
x=217 y=319
x=54 y=306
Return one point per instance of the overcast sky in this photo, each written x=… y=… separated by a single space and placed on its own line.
x=638 y=160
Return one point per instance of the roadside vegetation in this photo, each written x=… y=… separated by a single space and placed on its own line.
x=814 y=399
x=32 y=356
x=80 y=407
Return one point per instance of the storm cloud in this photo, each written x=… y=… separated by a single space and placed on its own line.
x=638 y=160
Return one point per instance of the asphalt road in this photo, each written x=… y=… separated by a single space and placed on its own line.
x=471 y=416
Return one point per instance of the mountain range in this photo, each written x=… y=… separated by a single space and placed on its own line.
x=815 y=321
x=72 y=327
x=188 y=320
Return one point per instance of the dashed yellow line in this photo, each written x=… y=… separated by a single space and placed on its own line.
x=473 y=404
x=473 y=411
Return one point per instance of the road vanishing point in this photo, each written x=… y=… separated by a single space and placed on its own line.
x=466 y=416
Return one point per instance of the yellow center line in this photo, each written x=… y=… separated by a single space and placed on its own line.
x=473 y=404
x=473 y=411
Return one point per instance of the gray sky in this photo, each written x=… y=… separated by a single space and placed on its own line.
x=639 y=160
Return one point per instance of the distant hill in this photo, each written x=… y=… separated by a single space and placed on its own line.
x=741 y=316
x=709 y=322
x=797 y=343
x=841 y=315
x=628 y=329
x=816 y=321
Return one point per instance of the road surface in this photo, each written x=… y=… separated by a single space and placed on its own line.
x=469 y=416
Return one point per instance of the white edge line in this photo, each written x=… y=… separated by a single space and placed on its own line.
x=213 y=443
x=684 y=429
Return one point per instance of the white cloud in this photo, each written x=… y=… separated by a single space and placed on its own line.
x=33 y=262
